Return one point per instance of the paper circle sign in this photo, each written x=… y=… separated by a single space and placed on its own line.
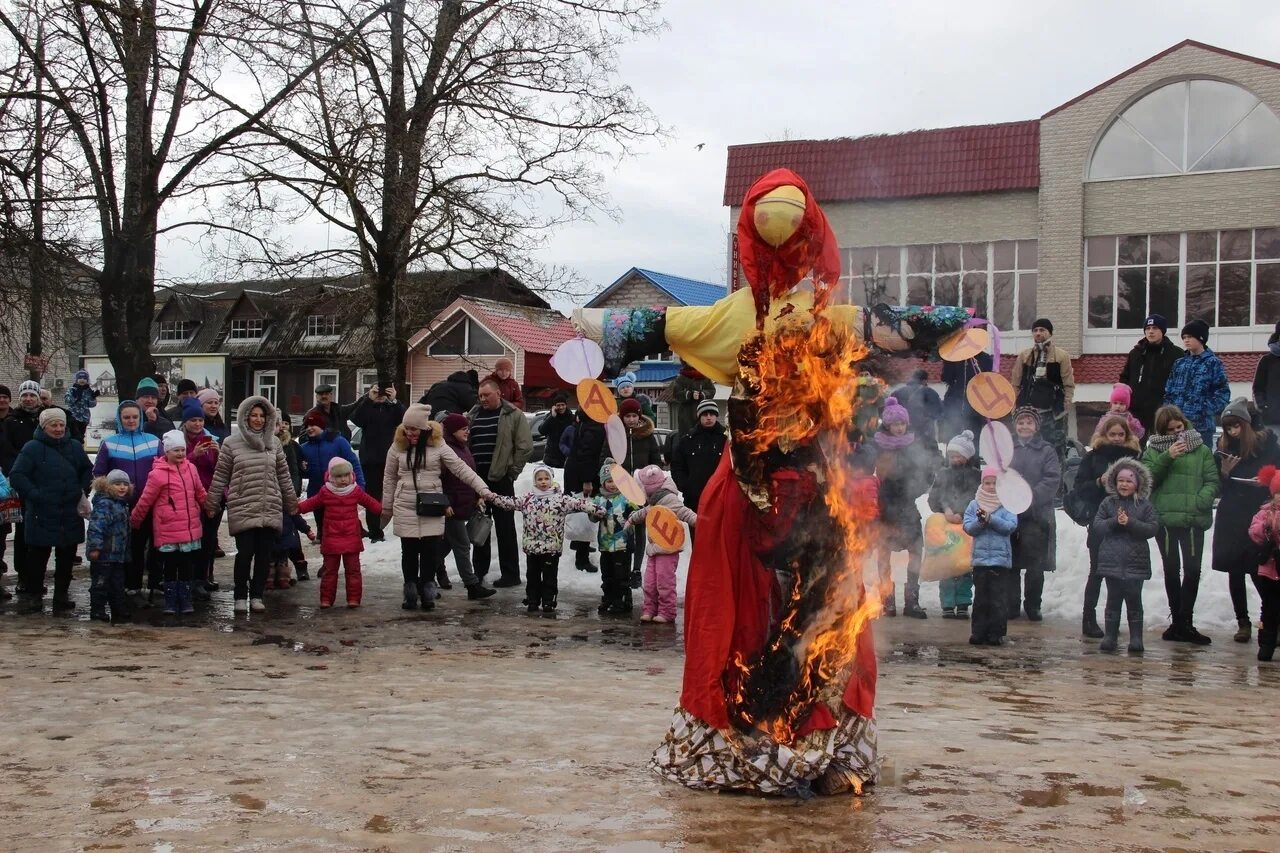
x=596 y=400
x=627 y=485
x=578 y=359
x=616 y=433
x=965 y=344
x=990 y=394
x=995 y=445
x=663 y=528
x=1013 y=491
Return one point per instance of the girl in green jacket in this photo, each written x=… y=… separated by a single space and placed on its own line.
x=1186 y=485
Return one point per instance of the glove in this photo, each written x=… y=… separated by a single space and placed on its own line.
x=85 y=509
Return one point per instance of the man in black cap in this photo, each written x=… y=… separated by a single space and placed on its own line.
x=186 y=388
x=335 y=414
x=1198 y=382
x=1147 y=369
x=1266 y=382
x=1043 y=380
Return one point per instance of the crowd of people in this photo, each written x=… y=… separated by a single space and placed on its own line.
x=440 y=476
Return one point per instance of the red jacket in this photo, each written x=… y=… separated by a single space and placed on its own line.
x=341 y=533
x=206 y=462
x=174 y=496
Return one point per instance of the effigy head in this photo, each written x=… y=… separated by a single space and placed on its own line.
x=779 y=214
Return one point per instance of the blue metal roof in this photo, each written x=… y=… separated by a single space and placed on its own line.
x=655 y=371
x=686 y=290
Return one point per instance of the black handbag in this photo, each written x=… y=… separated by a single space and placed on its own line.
x=429 y=504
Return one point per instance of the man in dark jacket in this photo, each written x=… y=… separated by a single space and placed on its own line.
x=377 y=413
x=958 y=415
x=334 y=413
x=688 y=391
x=552 y=427
x=1266 y=382
x=1147 y=368
x=923 y=404
x=186 y=388
x=697 y=454
x=582 y=474
x=454 y=396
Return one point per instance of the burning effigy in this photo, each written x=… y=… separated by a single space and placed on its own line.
x=780 y=672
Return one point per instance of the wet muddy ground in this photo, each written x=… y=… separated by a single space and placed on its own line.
x=478 y=727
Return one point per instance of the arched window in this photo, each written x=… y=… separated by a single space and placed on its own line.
x=1191 y=126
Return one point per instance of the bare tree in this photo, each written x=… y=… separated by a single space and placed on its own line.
x=142 y=87
x=446 y=134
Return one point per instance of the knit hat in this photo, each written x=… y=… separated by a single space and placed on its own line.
x=454 y=422
x=315 y=417
x=1121 y=393
x=1043 y=323
x=503 y=364
x=606 y=469
x=1158 y=321
x=147 y=387
x=418 y=415
x=1267 y=476
x=624 y=380
x=30 y=386
x=962 y=444
x=186 y=386
x=117 y=475
x=630 y=406
x=52 y=414
x=338 y=465
x=4 y=391
x=1028 y=412
x=208 y=394
x=894 y=413
x=191 y=408
x=1237 y=408
x=651 y=477
x=1197 y=329
x=174 y=440
x=708 y=406
x=990 y=471
x=81 y=374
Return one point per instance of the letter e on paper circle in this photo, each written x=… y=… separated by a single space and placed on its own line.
x=596 y=400
x=662 y=527
x=964 y=345
x=990 y=394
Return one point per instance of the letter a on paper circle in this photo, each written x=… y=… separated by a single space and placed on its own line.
x=991 y=395
x=596 y=400
x=662 y=527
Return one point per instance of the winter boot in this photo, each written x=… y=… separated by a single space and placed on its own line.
x=549 y=604
x=1266 y=644
x=63 y=604
x=427 y=594
x=1135 y=637
x=962 y=611
x=948 y=613
x=170 y=598
x=637 y=580
x=410 y=597
x=199 y=591
x=184 y=598
x=442 y=579
x=1245 y=632
x=98 y=613
x=890 y=602
x=1111 y=634
x=911 y=607
x=1174 y=633
x=300 y=568
x=1089 y=625
x=477 y=592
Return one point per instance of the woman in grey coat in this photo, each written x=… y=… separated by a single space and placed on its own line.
x=1036 y=542
x=1125 y=523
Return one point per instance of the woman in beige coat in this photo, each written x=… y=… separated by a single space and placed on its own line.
x=413 y=467
x=254 y=475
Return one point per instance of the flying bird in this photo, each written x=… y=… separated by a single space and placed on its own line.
x=698 y=147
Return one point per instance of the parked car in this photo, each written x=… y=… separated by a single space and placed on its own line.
x=539 y=442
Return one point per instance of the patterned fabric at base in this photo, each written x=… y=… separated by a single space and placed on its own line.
x=830 y=761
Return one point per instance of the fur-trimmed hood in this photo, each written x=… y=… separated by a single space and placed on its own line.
x=1140 y=471
x=257 y=440
x=434 y=431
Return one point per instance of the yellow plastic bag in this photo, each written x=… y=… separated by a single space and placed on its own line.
x=948 y=550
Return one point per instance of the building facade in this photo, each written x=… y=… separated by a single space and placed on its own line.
x=1157 y=191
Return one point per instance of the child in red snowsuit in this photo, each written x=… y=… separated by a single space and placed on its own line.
x=341 y=539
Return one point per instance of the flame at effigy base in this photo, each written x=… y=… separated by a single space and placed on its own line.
x=796 y=428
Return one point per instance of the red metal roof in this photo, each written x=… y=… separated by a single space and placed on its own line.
x=973 y=159
x=534 y=330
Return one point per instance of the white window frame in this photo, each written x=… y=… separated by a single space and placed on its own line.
x=326 y=376
x=250 y=329
x=466 y=320
x=316 y=322
x=272 y=390
x=168 y=331
x=365 y=379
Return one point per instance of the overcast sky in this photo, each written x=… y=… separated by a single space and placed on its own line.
x=740 y=71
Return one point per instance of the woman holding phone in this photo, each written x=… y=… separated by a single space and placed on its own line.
x=1242 y=451
x=1186 y=483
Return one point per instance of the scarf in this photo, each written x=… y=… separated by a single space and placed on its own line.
x=1042 y=356
x=885 y=441
x=1162 y=443
x=988 y=501
x=343 y=490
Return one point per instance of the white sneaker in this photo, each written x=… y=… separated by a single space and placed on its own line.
x=242 y=605
x=257 y=606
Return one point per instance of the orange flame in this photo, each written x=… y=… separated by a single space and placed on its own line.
x=805 y=384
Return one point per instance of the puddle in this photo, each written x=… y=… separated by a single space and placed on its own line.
x=119 y=668
x=1055 y=796
x=1089 y=790
x=379 y=823
x=246 y=801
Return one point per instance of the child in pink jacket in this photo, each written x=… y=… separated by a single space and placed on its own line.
x=660 y=569
x=174 y=496
x=1121 y=397
x=1264 y=530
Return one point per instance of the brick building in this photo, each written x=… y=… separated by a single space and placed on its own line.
x=1155 y=191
